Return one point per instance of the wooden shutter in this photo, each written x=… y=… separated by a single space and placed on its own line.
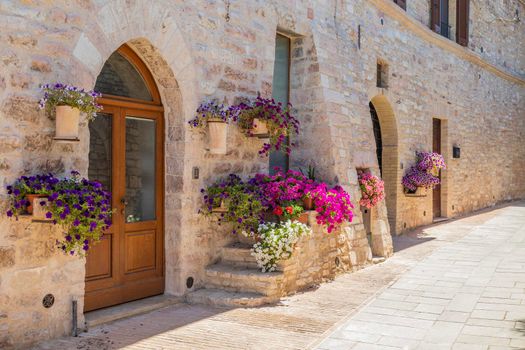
x=401 y=3
x=462 y=18
x=435 y=15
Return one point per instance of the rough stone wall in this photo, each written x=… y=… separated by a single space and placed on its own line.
x=207 y=49
x=321 y=256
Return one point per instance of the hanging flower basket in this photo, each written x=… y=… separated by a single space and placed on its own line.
x=66 y=123
x=217 y=136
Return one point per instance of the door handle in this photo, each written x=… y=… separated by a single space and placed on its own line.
x=124 y=203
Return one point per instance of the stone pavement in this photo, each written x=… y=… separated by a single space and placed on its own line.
x=469 y=294
x=460 y=282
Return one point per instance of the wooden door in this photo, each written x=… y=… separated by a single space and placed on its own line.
x=127 y=156
x=436 y=147
x=128 y=263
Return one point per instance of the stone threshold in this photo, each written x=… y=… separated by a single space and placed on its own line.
x=132 y=308
x=439 y=219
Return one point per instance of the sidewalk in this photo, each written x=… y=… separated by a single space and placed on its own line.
x=457 y=281
x=469 y=294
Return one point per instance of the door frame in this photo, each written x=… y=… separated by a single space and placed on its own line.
x=97 y=291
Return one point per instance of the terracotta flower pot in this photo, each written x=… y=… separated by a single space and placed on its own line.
x=303 y=218
x=31 y=199
x=308 y=203
x=217 y=136
x=259 y=128
x=39 y=211
x=66 y=123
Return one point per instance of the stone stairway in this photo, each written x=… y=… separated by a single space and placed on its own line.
x=237 y=281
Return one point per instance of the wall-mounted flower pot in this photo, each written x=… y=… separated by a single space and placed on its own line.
x=217 y=136
x=66 y=123
x=259 y=129
x=39 y=210
x=34 y=200
x=420 y=192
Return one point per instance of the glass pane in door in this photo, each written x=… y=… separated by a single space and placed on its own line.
x=100 y=139
x=140 y=169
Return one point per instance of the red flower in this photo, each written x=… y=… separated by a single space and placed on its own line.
x=289 y=210
x=278 y=211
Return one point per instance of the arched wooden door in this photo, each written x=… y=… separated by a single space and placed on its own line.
x=127 y=156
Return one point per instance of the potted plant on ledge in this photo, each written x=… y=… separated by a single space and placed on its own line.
x=216 y=118
x=68 y=102
x=81 y=207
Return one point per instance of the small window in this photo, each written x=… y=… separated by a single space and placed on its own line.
x=120 y=78
x=382 y=74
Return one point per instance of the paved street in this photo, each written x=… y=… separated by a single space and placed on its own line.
x=454 y=285
x=469 y=294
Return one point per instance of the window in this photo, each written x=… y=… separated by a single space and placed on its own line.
x=440 y=19
x=120 y=78
x=281 y=91
x=382 y=74
x=401 y=3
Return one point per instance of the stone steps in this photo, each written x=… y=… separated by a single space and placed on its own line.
x=242 y=279
x=239 y=255
x=222 y=298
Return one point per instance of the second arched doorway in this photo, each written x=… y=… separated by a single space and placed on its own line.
x=386 y=139
x=127 y=156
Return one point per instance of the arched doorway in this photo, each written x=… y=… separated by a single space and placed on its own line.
x=127 y=156
x=386 y=138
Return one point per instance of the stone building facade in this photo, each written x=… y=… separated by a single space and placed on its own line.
x=225 y=49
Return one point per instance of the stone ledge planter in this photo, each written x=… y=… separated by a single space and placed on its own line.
x=66 y=124
x=420 y=192
x=259 y=128
x=217 y=136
